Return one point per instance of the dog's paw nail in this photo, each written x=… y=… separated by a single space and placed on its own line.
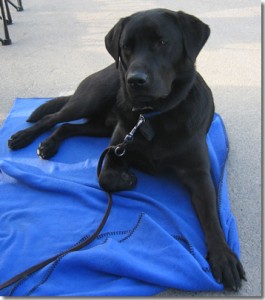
x=40 y=154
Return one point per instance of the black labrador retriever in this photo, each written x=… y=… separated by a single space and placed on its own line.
x=154 y=75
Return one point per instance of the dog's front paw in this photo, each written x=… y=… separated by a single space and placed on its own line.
x=20 y=140
x=48 y=148
x=226 y=267
x=114 y=180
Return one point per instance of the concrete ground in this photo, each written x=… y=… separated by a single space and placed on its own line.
x=55 y=44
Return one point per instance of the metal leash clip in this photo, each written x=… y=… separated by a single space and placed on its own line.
x=120 y=149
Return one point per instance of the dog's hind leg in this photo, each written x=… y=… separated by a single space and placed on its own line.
x=27 y=136
x=49 y=107
x=50 y=146
x=93 y=98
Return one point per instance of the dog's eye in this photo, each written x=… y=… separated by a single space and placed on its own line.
x=162 y=43
x=125 y=46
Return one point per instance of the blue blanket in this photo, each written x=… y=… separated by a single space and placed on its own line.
x=152 y=240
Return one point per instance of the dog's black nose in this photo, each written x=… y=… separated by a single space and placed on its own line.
x=137 y=79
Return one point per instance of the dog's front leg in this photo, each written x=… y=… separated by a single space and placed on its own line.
x=224 y=263
x=115 y=175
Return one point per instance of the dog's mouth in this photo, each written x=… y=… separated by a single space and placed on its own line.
x=143 y=104
x=144 y=109
x=147 y=104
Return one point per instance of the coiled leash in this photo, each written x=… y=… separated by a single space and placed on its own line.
x=119 y=151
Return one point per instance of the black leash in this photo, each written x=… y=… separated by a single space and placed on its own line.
x=23 y=275
x=119 y=151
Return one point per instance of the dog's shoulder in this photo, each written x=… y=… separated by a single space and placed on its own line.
x=198 y=107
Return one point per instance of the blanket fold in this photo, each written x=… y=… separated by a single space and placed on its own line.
x=151 y=241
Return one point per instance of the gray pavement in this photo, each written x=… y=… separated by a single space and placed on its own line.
x=58 y=43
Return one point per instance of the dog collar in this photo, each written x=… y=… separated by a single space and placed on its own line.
x=151 y=114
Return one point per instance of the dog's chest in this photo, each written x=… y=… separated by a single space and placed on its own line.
x=155 y=150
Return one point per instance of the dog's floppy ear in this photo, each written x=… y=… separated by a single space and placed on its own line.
x=195 y=33
x=112 y=40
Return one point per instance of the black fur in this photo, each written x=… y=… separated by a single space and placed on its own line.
x=48 y=108
x=155 y=53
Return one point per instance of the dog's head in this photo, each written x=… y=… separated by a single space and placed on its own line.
x=153 y=49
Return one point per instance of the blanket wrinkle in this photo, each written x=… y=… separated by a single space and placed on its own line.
x=126 y=260
x=152 y=240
